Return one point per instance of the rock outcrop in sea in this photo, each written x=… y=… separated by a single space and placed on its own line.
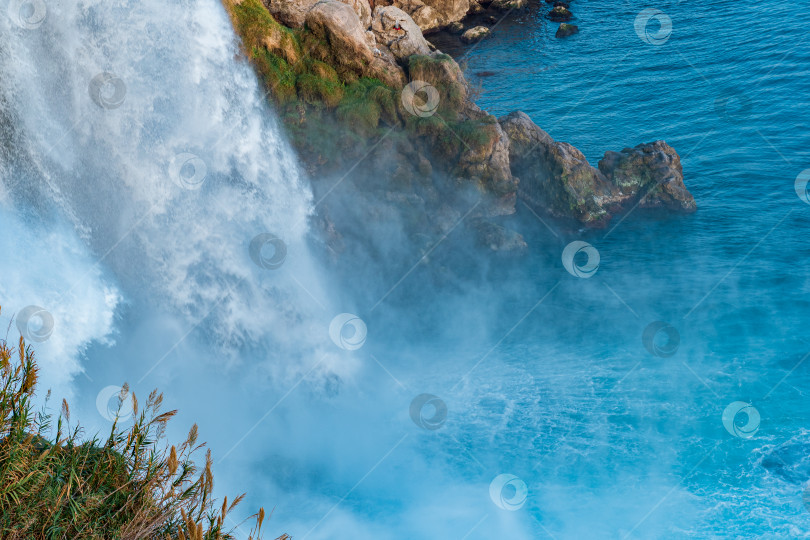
x=370 y=104
x=556 y=178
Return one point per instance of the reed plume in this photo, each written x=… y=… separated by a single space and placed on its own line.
x=54 y=483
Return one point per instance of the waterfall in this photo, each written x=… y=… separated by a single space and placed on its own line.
x=141 y=163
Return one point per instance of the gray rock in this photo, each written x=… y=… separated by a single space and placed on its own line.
x=396 y=30
x=431 y=15
x=508 y=5
x=556 y=178
x=487 y=166
x=449 y=10
x=474 y=34
x=524 y=135
x=338 y=25
x=291 y=13
x=363 y=10
x=566 y=30
x=497 y=237
x=652 y=171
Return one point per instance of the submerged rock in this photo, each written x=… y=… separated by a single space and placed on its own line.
x=474 y=34
x=566 y=30
x=455 y=28
x=497 y=237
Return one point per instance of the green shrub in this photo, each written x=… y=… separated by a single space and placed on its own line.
x=127 y=487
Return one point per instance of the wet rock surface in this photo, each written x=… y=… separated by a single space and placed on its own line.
x=475 y=34
x=497 y=237
x=566 y=30
x=652 y=171
x=556 y=178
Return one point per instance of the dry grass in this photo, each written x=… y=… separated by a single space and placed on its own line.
x=130 y=486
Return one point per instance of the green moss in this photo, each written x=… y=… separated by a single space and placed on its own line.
x=278 y=76
x=318 y=91
x=365 y=103
x=474 y=133
x=255 y=25
x=321 y=69
x=385 y=98
x=425 y=62
x=432 y=126
x=443 y=74
x=364 y=115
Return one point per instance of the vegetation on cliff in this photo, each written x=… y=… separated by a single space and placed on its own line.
x=337 y=77
x=56 y=484
x=333 y=112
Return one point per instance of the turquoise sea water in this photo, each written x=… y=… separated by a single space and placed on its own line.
x=531 y=372
x=614 y=442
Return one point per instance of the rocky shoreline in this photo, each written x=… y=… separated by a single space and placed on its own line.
x=371 y=105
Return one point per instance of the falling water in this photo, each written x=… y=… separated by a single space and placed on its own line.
x=150 y=206
x=140 y=162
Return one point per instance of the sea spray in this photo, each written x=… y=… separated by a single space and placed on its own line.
x=145 y=134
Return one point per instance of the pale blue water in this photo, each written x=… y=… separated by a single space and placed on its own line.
x=611 y=441
x=544 y=375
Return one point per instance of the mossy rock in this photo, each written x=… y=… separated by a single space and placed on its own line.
x=258 y=29
x=566 y=30
x=365 y=103
x=278 y=76
x=444 y=74
x=560 y=14
x=318 y=91
x=364 y=115
x=322 y=70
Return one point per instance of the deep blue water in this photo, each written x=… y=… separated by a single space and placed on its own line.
x=544 y=375
x=612 y=441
